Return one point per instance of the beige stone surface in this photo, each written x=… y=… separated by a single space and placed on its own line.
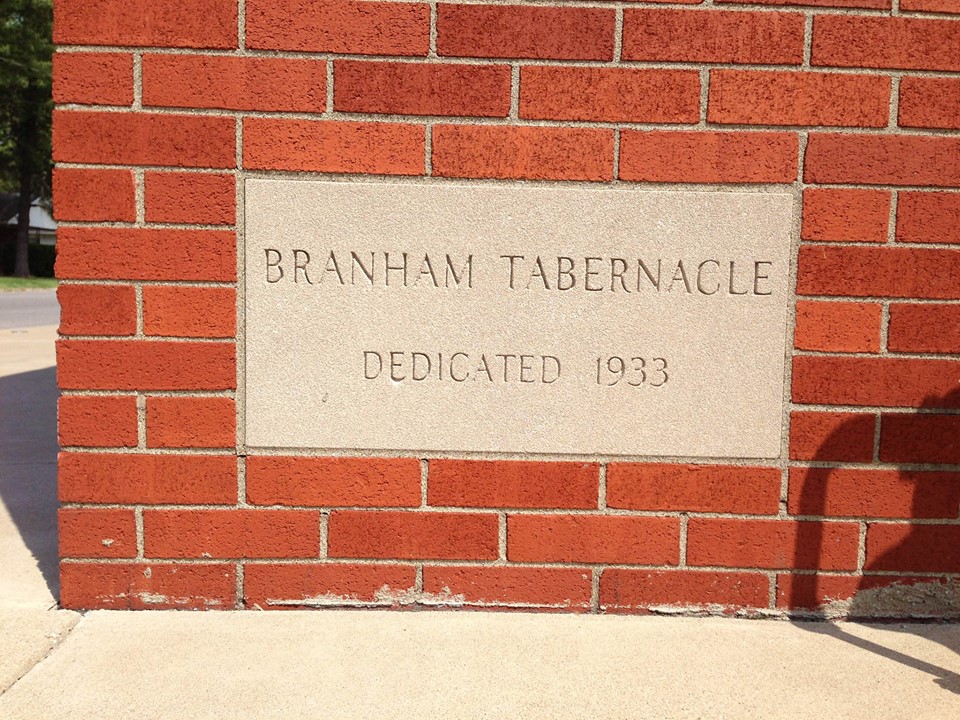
x=509 y=360
x=30 y=624
x=343 y=664
x=27 y=635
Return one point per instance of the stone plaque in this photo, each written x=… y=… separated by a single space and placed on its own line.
x=515 y=319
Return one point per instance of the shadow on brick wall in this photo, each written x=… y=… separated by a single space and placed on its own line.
x=899 y=571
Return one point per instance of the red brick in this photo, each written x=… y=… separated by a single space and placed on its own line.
x=713 y=36
x=93 y=78
x=567 y=588
x=235 y=83
x=811 y=592
x=147 y=479
x=837 y=326
x=522 y=153
x=838 y=437
x=772 y=544
x=748 y=97
x=97 y=309
x=142 y=586
x=889 y=382
x=593 y=539
x=693 y=488
x=396 y=88
x=627 y=590
x=119 y=138
x=921 y=439
x=146 y=254
x=333 y=146
x=499 y=483
x=917 y=548
x=609 y=94
x=886 y=42
x=845 y=215
x=159 y=23
x=179 y=311
x=267 y=587
x=139 y=365
x=928 y=217
x=896 y=272
x=870 y=4
x=883 y=159
x=190 y=198
x=514 y=31
x=339 y=26
x=185 y=422
x=413 y=535
x=97 y=421
x=333 y=481
x=231 y=533
x=924 y=328
x=841 y=492
x=937 y=6
x=94 y=195
x=708 y=157
x=97 y=533
x=929 y=102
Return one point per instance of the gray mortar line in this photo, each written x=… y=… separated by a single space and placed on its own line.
x=238 y=574
x=514 y=112
x=424 y=479
x=618 y=35
x=595 y=589
x=501 y=537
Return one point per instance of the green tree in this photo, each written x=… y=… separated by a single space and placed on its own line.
x=26 y=50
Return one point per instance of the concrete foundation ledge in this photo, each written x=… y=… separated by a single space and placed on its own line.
x=356 y=664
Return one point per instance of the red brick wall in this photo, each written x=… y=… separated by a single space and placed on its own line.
x=166 y=106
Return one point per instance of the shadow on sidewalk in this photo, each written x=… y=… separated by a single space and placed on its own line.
x=892 y=584
x=28 y=464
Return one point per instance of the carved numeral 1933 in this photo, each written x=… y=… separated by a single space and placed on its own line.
x=634 y=371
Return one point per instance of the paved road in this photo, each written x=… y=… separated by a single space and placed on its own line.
x=30 y=308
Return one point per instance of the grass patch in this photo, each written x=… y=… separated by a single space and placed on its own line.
x=34 y=283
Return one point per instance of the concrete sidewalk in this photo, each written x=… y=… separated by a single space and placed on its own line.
x=360 y=664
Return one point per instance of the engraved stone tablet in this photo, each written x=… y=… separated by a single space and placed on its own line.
x=516 y=319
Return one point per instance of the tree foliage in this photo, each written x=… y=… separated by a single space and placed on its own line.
x=26 y=49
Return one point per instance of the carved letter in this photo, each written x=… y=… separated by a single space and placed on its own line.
x=457 y=279
x=511 y=258
x=757 y=277
x=700 y=277
x=646 y=271
x=733 y=266
x=426 y=269
x=565 y=273
x=615 y=274
x=551 y=360
x=332 y=267
x=274 y=265
x=413 y=370
x=298 y=266
x=355 y=263
x=526 y=367
x=588 y=273
x=679 y=274
x=395 y=366
x=538 y=272
x=453 y=359
x=395 y=268
x=366 y=364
